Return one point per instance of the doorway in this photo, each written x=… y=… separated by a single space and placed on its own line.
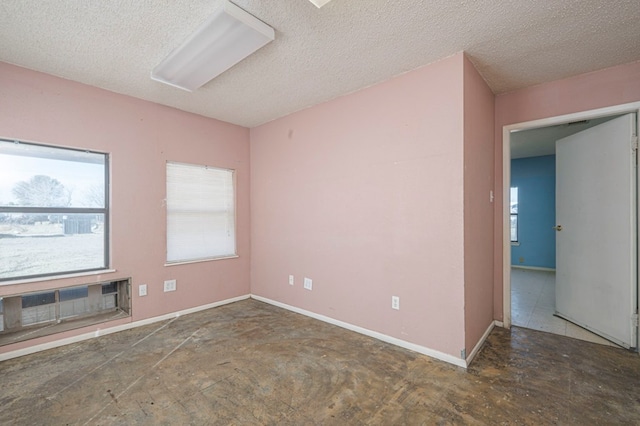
x=533 y=305
x=537 y=139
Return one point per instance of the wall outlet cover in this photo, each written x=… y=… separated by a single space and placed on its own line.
x=170 y=285
x=291 y=280
x=308 y=283
x=142 y=290
x=395 y=302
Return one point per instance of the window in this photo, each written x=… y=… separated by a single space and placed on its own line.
x=200 y=213
x=513 y=209
x=53 y=210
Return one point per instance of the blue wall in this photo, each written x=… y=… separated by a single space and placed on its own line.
x=535 y=178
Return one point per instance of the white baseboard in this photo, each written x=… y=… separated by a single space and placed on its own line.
x=533 y=268
x=478 y=345
x=499 y=324
x=376 y=335
x=394 y=341
x=122 y=327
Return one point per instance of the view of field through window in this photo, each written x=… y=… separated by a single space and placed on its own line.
x=52 y=210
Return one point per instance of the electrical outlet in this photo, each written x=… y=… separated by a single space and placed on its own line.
x=142 y=290
x=170 y=285
x=395 y=302
x=308 y=283
x=291 y=280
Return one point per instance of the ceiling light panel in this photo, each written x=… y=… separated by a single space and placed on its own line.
x=319 y=3
x=226 y=38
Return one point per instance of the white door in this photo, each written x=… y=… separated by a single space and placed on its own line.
x=596 y=284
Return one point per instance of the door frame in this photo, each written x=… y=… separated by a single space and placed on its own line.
x=633 y=107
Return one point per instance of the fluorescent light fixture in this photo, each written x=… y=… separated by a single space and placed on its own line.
x=319 y=3
x=223 y=40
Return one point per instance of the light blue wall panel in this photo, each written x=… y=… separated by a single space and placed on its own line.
x=535 y=178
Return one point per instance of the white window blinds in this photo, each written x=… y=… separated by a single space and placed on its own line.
x=200 y=213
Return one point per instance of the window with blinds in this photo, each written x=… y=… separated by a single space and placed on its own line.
x=200 y=213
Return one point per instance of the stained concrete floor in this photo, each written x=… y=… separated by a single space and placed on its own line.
x=252 y=363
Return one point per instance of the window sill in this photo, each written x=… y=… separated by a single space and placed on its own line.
x=57 y=277
x=186 y=262
x=515 y=243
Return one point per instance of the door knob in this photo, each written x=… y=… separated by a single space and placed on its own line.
x=558 y=228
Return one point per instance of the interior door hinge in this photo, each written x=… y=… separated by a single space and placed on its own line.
x=634 y=143
x=635 y=320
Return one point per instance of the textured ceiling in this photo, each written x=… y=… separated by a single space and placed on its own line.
x=318 y=54
x=542 y=140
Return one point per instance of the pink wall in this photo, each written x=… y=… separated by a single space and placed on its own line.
x=140 y=137
x=364 y=195
x=609 y=87
x=478 y=208
x=382 y=192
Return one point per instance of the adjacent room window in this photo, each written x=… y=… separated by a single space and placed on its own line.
x=514 y=214
x=53 y=210
x=200 y=213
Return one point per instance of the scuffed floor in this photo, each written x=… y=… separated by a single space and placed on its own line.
x=252 y=363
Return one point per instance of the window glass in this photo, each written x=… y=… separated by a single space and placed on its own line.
x=513 y=208
x=43 y=176
x=53 y=210
x=514 y=227
x=74 y=302
x=31 y=300
x=110 y=288
x=73 y=293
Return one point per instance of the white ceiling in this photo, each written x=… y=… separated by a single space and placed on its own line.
x=318 y=54
x=542 y=140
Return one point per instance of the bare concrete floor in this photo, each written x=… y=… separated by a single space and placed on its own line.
x=252 y=363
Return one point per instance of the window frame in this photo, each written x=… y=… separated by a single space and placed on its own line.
x=512 y=214
x=67 y=210
x=233 y=255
